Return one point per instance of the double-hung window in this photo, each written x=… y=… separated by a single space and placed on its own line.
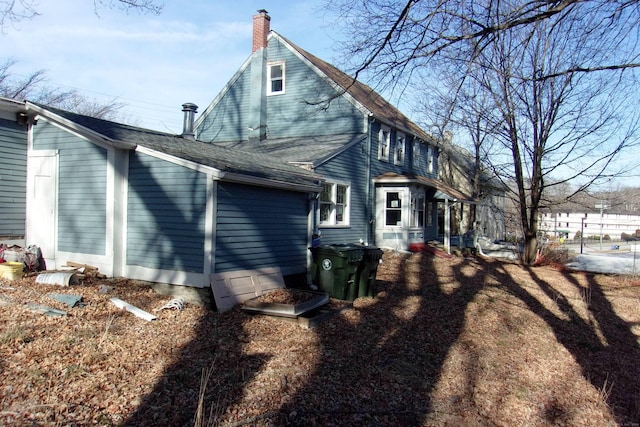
x=384 y=143
x=275 y=78
x=393 y=209
x=415 y=154
x=398 y=152
x=334 y=204
x=417 y=209
x=430 y=158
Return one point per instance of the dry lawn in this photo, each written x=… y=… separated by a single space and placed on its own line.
x=454 y=342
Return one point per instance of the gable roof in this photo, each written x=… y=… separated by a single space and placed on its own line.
x=232 y=164
x=379 y=107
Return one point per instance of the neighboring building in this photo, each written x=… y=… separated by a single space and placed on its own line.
x=591 y=223
x=457 y=168
x=380 y=169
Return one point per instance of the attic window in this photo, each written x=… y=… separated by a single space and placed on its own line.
x=275 y=78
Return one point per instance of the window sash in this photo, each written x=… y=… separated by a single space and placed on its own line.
x=384 y=141
x=275 y=78
x=399 y=152
x=393 y=209
x=333 y=204
x=417 y=210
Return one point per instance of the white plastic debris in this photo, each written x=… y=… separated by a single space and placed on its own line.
x=132 y=309
x=176 y=304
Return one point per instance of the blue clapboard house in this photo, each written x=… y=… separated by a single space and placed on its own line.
x=290 y=147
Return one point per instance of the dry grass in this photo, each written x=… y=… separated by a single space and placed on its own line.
x=445 y=342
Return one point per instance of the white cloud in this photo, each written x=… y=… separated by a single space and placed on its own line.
x=152 y=63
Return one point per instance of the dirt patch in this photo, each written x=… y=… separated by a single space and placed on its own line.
x=462 y=341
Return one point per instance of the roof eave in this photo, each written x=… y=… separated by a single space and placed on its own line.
x=79 y=129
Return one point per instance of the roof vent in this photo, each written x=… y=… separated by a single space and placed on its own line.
x=190 y=111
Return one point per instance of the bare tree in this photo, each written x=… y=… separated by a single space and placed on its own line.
x=392 y=39
x=458 y=107
x=544 y=82
x=35 y=88
x=14 y=11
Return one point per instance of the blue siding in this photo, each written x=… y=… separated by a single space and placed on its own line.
x=82 y=189
x=351 y=167
x=291 y=114
x=259 y=227
x=294 y=114
x=419 y=167
x=13 y=178
x=229 y=120
x=166 y=215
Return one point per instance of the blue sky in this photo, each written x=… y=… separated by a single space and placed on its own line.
x=154 y=64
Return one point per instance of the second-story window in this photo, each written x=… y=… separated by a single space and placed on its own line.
x=430 y=154
x=384 y=142
x=398 y=157
x=415 y=155
x=275 y=78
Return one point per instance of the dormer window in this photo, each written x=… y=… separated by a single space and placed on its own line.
x=275 y=78
x=384 y=142
x=398 y=157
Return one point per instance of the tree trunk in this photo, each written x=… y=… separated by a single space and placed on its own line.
x=530 y=251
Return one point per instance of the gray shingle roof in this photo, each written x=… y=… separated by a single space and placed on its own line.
x=365 y=95
x=244 y=162
x=313 y=150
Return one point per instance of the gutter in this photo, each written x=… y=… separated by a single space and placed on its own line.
x=262 y=182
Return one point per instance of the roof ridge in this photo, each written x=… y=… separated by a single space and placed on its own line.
x=361 y=92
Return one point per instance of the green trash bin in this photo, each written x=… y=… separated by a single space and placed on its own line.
x=336 y=268
x=368 y=271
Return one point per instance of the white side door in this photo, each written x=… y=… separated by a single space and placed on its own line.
x=42 y=187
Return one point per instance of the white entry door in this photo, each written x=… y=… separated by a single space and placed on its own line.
x=41 y=203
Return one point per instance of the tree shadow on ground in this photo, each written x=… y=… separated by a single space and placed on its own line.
x=602 y=343
x=174 y=400
x=386 y=381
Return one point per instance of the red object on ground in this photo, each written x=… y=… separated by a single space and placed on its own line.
x=424 y=247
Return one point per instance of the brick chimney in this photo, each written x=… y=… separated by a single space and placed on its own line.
x=261 y=28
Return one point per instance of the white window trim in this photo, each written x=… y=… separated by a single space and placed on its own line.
x=384 y=156
x=414 y=209
x=430 y=159
x=400 y=146
x=284 y=74
x=334 y=197
x=402 y=194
